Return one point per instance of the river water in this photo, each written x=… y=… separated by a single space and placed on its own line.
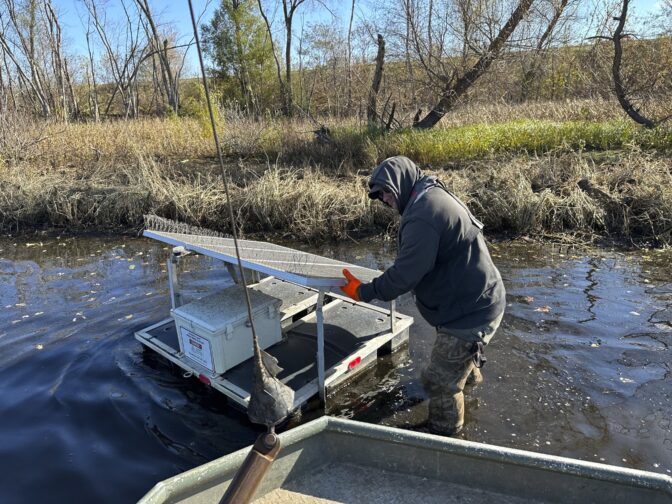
x=580 y=367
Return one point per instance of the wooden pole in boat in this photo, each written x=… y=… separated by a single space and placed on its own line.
x=271 y=400
x=253 y=469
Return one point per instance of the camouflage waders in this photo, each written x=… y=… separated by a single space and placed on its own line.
x=456 y=359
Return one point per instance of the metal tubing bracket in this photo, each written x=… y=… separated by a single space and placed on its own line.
x=171 y=266
x=319 y=315
x=393 y=316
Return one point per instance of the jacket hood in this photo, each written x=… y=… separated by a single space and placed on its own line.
x=396 y=175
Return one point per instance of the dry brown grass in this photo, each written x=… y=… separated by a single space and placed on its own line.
x=595 y=109
x=306 y=203
x=625 y=196
x=530 y=196
x=55 y=145
x=78 y=143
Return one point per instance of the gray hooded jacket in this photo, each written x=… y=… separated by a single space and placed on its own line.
x=442 y=256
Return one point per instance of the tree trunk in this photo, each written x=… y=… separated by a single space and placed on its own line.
x=10 y=85
x=352 y=15
x=3 y=94
x=120 y=75
x=58 y=65
x=281 y=83
x=289 y=106
x=71 y=90
x=531 y=74
x=407 y=51
x=168 y=79
x=95 y=108
x=371 y=114
x=27 y=45
x=242 y=73
x=301 y=98
x=35 y=93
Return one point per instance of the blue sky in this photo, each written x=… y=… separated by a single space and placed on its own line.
x=176 y=12
x=73 y=18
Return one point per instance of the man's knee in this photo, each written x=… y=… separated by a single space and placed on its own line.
x=448 y=380
x=450 y=364
x=475 y=377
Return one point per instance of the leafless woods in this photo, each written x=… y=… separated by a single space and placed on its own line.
x=322 y=57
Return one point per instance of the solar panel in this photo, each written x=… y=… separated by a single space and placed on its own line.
x=285 y=263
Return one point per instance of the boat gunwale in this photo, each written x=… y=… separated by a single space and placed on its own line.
x=221 y=470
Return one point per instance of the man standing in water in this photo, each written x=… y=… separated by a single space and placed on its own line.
x=443 y=259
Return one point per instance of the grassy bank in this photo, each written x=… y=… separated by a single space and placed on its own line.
x=470 y=133
x=526 y=136
x=625 y=196
x=535 y=176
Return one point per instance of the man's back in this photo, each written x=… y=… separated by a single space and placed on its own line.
x=464 y=288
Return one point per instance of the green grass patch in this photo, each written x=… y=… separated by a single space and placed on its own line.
x=361 y=148
x=350 y=145
x=438 y=146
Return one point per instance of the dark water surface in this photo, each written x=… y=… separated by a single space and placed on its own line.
x=580 y=368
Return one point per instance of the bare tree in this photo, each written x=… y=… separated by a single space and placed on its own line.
x=289 y=9
x=68 y=100
x=456 y=86
x=36 y=69
x=325 y=48
x=666 y=10
x=409 y=8
x=281 y=83
x=532 y=61
x=352 y=16
x=8 y=84
x=122 y=64
x=92 y=84
x=169 y=78
x=3 y=86
x=22 y=50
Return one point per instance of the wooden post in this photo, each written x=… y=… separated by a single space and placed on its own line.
x=371 y=114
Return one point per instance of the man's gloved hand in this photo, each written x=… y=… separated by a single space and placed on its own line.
x=351 y=288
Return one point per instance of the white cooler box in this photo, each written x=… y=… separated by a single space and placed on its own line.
x=214 y=331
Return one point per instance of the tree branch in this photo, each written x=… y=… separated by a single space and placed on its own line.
x=619 y=88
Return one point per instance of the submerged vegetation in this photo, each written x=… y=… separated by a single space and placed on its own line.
x=535 y=176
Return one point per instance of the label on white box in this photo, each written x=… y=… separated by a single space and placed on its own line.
x=196 y=348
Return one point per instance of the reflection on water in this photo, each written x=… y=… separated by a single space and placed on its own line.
x=85 y=413
x=580 y=366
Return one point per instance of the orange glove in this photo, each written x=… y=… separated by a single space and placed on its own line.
x=351 y=288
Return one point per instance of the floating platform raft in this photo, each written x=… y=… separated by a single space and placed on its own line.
x=327 y=339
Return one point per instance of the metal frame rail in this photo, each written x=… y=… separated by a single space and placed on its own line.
x=181 y=250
